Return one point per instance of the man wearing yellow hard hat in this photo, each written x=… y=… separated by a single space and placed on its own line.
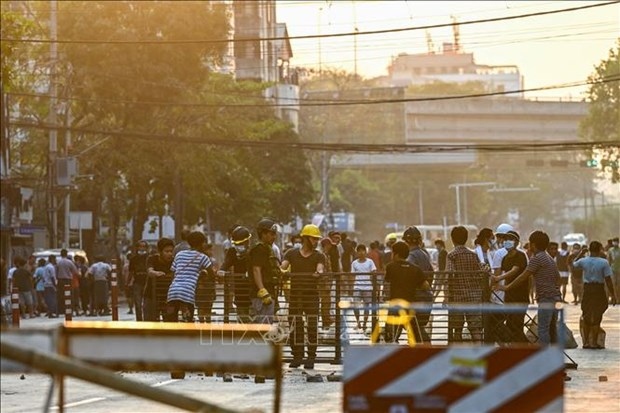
x=306 y=265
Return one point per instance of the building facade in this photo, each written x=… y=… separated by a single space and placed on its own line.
x=452 y=66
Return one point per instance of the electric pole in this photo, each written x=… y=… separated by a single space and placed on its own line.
x=53 y=133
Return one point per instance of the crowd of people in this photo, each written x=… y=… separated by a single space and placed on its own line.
x=41 y=282
x=312 y=271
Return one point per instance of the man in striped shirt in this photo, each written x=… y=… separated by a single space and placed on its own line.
x=188 y=267
x=546 y=279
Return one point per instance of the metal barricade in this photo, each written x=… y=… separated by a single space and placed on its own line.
x=308 y=310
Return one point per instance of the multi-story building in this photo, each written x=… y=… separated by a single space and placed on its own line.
x=262 y=53
x=452 y=66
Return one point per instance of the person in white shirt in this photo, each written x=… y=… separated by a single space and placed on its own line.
x=363 y=268
x=495 y=329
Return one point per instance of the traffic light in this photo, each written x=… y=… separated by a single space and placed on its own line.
x=590 y=163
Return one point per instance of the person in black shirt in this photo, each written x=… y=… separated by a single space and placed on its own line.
x=265 y=273
x=403 y=280
x=158 y=281
x=306 y=265
x=137 y=275
x=22 y=279
x=513 y=264
x=237 y=259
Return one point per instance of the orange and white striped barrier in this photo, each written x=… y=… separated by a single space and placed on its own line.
x=453 y=379
x=68 y=302
x=15 y=306
x=114 y=292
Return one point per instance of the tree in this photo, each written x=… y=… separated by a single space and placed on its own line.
x=148 y=93
x=603 y=120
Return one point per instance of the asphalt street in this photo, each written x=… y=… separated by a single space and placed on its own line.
x=593 y=387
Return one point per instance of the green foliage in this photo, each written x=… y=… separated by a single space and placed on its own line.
x=135 y=87
x=603 y=120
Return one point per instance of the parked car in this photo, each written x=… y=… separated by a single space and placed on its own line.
x=575 y=238
x=71 y=252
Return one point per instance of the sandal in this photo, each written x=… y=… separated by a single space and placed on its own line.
x=586 y=346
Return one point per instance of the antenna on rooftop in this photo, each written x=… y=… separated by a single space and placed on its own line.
x=457 y=34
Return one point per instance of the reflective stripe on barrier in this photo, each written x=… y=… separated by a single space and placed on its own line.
x=68 y=302
x=453 y=379
x=114 y=291
x=15 y=307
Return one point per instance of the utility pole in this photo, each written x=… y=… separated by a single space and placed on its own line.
x=320 y=54
x=67 y=231
x=53 y=133
x=458 y=197
x=355 y=29
x=421 y=202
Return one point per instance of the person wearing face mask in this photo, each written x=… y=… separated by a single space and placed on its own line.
x=513 y=264
x=137 y=276
x=236 y=266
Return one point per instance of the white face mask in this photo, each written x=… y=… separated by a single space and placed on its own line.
x=297 y=245
x=509 y=244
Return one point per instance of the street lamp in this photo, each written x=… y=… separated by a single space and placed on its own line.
x=457 y=187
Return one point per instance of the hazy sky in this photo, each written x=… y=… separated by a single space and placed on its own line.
x=548 y=50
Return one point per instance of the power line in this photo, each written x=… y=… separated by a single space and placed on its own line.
x=333 y=147
x=318 y=36
x=324 y=102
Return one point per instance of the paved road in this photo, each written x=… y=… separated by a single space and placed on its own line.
x=584 y=393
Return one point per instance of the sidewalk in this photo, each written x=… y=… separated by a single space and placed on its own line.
x=584 y=392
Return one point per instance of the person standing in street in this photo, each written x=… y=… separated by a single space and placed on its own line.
x=403 y=279
x=236 y=259
x=100 y=272
x=306 y=265
x=188 y=266
x=561 y=260
x=513 y=264
x=465 y=287
x=364 y=269
x=50 y=283
x=22 y=280
x=326 y=283
x=159 y=271
x=85 y=284
x=613 y=257
x=546 y=276
x=137 y=276
x=596 y=273
x=39 y=284
x=265 y=273
x=440 y=281
x=65 y=271
x=576 y=275
x=418 y=256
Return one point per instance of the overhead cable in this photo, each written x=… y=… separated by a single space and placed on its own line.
x=324 y=102
x=332 y=147
x=313 y=36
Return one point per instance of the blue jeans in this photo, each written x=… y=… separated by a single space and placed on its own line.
x=547 y=321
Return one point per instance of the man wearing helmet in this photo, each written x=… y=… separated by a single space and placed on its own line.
x=306 y=265
x=494 y=330
x=237 y=259
x=265 y=272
